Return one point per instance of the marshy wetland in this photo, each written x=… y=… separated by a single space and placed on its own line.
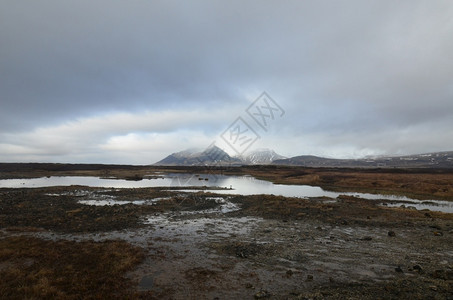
x=200 y=240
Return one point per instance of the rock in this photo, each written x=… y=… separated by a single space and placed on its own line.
x=366 y=238
x=249 y=286
x=391 y=233
x=289 y=273
x=309 y=277
x=428 y=215
x=262 y=294
x=399 y=270
x=418 y=268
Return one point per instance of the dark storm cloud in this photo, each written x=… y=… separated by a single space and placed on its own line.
x=354 y=70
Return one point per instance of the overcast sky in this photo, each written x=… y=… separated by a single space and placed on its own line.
x=133 y=81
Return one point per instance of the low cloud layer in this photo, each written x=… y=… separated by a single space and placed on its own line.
x=130 y=82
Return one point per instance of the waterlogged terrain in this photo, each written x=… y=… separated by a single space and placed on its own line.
x=242 y=185
x=168 y=242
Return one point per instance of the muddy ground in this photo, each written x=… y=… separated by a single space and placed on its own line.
x=166 y=244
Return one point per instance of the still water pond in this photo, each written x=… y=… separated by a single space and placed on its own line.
x=244 y=185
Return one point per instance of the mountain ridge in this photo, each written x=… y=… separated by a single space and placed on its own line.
x=216 y=156
x=434 y=159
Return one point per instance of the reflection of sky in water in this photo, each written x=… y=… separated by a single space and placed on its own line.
x=82 y=180
x=244 y=185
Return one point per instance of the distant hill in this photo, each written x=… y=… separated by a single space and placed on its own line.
x=428 y=160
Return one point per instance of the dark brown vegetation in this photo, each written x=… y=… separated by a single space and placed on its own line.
x=32 y=268
x=346 y=210
x=421 y=183
x=39 y=209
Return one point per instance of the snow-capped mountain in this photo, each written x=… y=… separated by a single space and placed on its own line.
x=210 y=156
x=260 y=157
x=216 y=156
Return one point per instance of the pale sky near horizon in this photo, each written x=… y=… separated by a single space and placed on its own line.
x=133 y=81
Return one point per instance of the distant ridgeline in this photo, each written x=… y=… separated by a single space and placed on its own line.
x=429 y=160
x=216 y=156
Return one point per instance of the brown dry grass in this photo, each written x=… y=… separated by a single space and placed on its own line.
x=420 y=183
x=33 y=268
x=346 y=210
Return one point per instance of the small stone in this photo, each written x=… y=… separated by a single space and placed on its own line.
x=418 y=268
x=289 y=273
x=399 y=270
x=262 y=294
x=367 y=238
x=433 y=287
x=309 y=277
x=391 y=233
x=249 y=286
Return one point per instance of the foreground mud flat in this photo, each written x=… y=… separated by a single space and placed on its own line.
x=154 y=243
